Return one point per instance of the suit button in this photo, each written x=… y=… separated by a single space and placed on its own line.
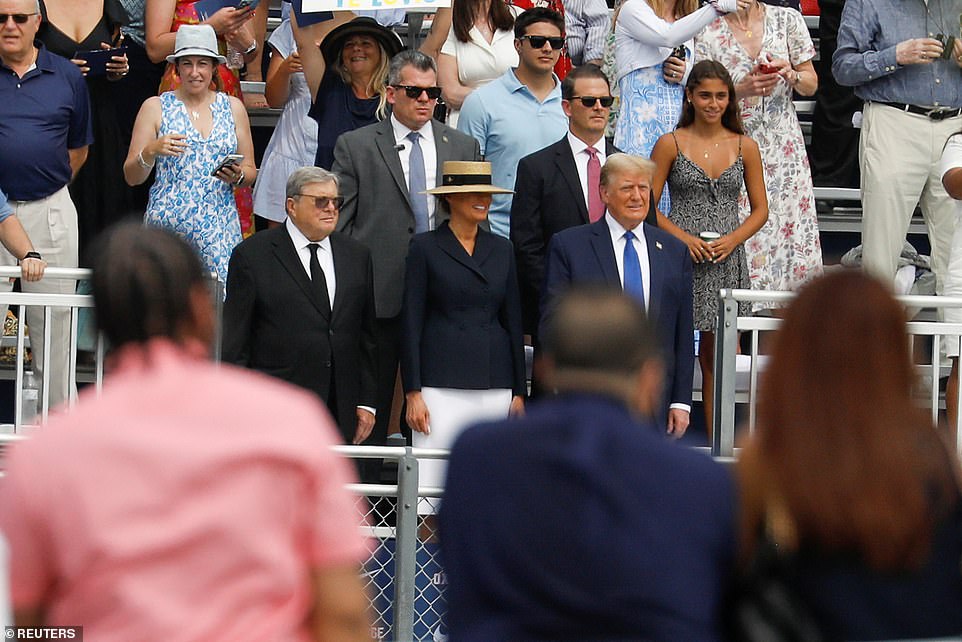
x=330 y=332
x=410 y=230
x=327 y=364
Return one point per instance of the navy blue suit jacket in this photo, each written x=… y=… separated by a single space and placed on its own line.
x=584 y=254
x=461 y=317
x=577 y=522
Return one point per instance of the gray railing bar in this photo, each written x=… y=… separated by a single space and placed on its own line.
x=45 y=385
x=72 y=274
x=72 y=360
x=18 y=386
x=726 y=343
x=371 y=452
x=373 y=490
x=753 y=383
x=405 y=550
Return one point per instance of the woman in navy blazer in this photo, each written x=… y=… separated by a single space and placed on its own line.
x=462 y=351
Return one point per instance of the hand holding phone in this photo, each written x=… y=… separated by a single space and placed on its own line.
x=230 y=159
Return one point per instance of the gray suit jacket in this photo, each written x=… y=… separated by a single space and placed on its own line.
x=377 y=207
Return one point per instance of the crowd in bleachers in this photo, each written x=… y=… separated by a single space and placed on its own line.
x=419 y=215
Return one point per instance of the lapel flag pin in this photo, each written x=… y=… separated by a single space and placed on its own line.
x=444 y=138
x=658 y=244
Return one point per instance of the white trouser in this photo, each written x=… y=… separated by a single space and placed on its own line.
x=51 y=224
x=899 y=155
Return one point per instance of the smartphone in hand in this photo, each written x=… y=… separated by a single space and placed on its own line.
x=230 y=159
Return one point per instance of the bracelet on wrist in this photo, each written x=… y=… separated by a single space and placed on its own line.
x=32 y=255
x=142 y=162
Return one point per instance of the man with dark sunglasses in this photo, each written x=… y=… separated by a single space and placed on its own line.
x=520 y=112
x=557 y=187
x=300 y=305
x=45 y=131
x=385 y=170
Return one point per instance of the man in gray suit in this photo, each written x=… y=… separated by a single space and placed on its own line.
x=384 y=170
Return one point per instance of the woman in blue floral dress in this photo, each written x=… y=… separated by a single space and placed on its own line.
x=187 y=132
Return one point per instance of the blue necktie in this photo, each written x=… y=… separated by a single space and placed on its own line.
x=417 y=183
x=633 y=283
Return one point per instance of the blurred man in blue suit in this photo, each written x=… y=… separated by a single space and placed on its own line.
x=579 y=521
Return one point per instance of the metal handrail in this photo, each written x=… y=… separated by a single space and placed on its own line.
x=726 y=347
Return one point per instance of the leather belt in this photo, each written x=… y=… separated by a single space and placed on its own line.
x=933 y=113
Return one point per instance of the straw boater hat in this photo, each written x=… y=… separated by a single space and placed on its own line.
x=196 y=40
x=333 y=43
x=467 y=177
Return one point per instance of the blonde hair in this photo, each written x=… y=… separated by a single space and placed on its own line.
x=682 y=7
x=378 y=83
x=623 y=163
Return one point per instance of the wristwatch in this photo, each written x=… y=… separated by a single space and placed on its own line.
x=32 y=255
x=251 y=49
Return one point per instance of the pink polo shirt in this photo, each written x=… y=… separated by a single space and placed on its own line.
x=189 y=502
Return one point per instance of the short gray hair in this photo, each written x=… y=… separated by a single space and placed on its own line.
x=305 y=176
x=620 y=163
x=409 y=57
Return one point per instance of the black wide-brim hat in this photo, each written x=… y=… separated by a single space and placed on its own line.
x=333 y=43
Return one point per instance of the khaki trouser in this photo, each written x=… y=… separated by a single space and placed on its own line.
x=51 y=224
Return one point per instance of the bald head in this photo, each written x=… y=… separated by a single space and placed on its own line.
x=599 y=340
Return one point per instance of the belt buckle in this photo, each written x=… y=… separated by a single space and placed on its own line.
x=934 y=114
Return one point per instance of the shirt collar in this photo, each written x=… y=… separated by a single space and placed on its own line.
x=301 y=241
x=513 y=84
x=578 y=145
x=401 y=130
x=617 y=231
x=43 y=61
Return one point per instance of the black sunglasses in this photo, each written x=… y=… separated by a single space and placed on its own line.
x=19 y=18
x=414 y=92
x=589 y=101
x=537 y=42
x=321 y=202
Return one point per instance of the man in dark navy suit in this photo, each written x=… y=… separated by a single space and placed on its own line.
x=557 y=187
x=300 y=305
x=595 y=527
x=621 y=250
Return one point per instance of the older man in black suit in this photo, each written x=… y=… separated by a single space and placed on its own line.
x=300 y=305
x=557 y=187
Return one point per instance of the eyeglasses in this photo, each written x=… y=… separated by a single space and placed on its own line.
x=19 y=18
x=537 y=42
x=322 y=202
x=590 y=101
x=413 y=92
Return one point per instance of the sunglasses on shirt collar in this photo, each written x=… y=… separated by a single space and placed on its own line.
x=19 y=18
x=537 y=42
x=414 y=92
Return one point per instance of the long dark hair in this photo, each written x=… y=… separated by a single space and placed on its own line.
x=705 y=69
x=463 y=15
x=840 y=442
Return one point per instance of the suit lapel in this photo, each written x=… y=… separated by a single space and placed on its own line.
x=605 y=251
x=565 y=160
x=450 y=245
x=342 y=268
x=384 y=139
x=610 y=148
x=287 y=256
x=656 y=271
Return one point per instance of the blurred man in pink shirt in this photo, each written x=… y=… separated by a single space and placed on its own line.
x=177 y=506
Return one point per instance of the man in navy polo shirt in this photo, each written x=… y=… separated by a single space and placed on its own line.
x=44 y=134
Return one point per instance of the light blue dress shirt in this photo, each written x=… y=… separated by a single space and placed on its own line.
x=5 y=209
x=510 y=123
x=865 y=57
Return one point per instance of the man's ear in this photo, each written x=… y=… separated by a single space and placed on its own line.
x=646 y=387
x=203 y=320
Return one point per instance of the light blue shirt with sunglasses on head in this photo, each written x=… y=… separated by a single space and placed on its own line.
x=5 y=210
x=509 y=122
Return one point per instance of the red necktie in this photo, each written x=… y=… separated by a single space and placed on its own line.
x=596 y=209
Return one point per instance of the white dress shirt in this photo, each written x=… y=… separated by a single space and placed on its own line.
x=641 y=247
x=428 y=150
x=324 y=256
x=578 y=148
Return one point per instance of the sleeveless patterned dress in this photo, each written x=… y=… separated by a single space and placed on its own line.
x=702 y=204
x=185 y=198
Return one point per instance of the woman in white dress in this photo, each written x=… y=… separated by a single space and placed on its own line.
x=478 y=49
x=294 y=141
